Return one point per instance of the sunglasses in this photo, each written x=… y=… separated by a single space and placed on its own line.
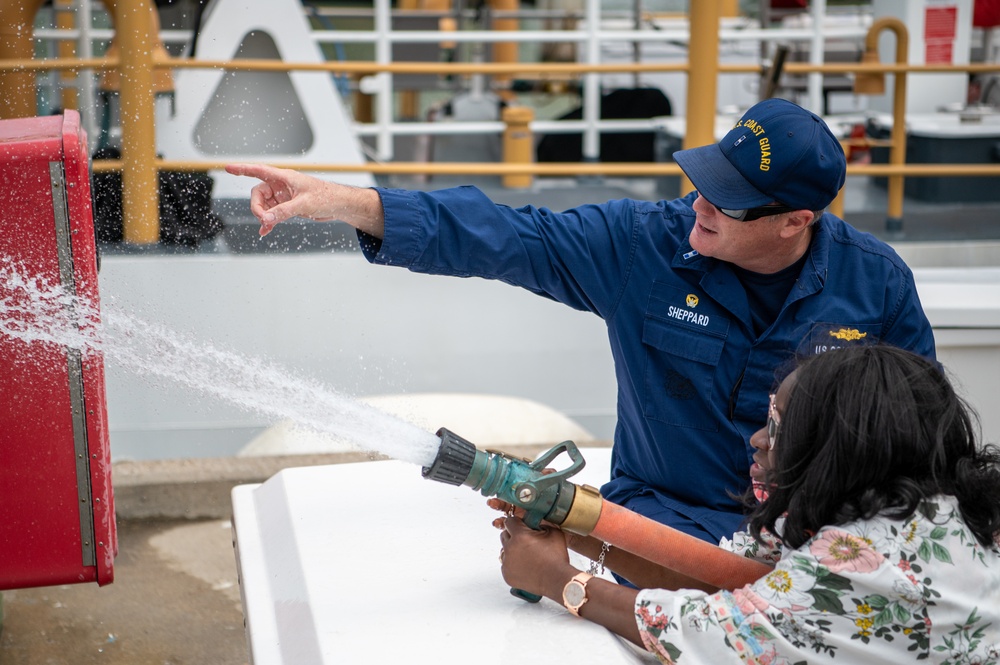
x=750 y=214
x=773 y=422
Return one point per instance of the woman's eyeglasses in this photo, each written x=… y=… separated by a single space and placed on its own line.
x=773 y=422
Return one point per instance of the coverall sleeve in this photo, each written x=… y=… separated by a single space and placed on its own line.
x=579 y=257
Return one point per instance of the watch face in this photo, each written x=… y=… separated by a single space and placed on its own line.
x=574 y=593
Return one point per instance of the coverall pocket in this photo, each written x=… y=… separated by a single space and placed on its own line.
x=680 y=372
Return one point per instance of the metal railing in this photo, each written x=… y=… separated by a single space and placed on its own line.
x=137 y=63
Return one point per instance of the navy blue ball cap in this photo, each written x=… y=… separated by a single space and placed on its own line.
x=777 y=152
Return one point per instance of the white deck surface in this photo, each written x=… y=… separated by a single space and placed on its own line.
x=370 y=562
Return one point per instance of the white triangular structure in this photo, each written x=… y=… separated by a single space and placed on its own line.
x=293 y=117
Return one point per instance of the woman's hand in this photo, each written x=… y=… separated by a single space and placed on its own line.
x=532 y=560
x=538 y=562
x=508 y=509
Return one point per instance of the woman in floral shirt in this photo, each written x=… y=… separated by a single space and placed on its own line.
x=886 y=516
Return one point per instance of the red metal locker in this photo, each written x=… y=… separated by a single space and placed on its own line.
x=57 y=519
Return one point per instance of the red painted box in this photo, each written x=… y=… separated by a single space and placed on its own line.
x=57 y=519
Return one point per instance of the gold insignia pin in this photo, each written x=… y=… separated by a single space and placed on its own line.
x=848 y=334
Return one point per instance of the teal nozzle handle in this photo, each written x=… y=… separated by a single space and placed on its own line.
x=524 y=595
x=519 y=482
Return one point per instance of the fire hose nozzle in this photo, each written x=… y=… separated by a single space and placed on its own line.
x=454 y=461
x=543 y=494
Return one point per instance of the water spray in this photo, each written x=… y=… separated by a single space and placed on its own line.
x=549 y=496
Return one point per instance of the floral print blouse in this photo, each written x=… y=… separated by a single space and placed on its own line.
x=872 y=591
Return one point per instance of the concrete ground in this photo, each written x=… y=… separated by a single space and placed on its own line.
x=174 y=601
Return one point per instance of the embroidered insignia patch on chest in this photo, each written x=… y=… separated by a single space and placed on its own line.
x=848 y=334
x=691 y=300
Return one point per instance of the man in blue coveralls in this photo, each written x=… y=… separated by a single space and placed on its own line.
x=703 y=296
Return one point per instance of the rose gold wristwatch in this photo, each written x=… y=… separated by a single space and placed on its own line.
x=575 y=592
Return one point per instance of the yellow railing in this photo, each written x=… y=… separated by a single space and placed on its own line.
x=137 y=62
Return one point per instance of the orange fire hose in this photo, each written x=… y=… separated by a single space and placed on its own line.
x=674 y=549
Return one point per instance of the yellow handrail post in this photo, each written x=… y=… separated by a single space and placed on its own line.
x=65 y=20
x=134 y=32
x=518 y=144
x=837 y=205
x=897 y=148
x=505 y=51
x=703 y=76
x=363 y=102
x=17 y=88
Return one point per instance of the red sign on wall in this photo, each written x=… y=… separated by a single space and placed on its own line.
x=940 y=25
